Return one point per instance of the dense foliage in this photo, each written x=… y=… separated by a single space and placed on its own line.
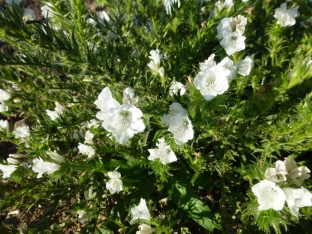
x=109 y=151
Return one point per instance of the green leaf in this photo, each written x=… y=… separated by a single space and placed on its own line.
x=189 y=201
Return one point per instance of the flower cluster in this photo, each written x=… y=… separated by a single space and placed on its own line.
x=179 y=124
x=271 y=196
x=231 y=30
x=123 y=121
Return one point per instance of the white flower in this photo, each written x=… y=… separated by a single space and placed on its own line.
x=3 y=107
x=164 y=152
x=41 y=167
x=182 y=128
x=4 y=125
x=10 y=2
x=93 y=123
x=58 y=110
x=244 y=66
x=114 y=185
x=7 y=170
x=124 y=122
x=168 y=4
x=12 y=161
x=29 y=14
x=21 y=132
x=174 y=109
x=225 y=27
x=175 y=87
x=229 y=64
x=145 y=229
x=154 y=64
x=212 y=80
x=89 y=137
x=140 y=211
x=46 y=10
x=239 y=23
x=4 y=96
x=295 y=173
x=297 y=198
x=128 y=97
x=223 y=4
x=269 y=195
x=80 y=213
x=105 y=103
x=286 y=17
x=277 y=174
x=86 y=150
x=233 y=42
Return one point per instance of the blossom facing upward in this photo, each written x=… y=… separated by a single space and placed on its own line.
x=269 y=195
x=233 y=42
x=286 y=17
x=164 y=152
x=114 y=185
x=297 y=198
x=212 y=80
x=7 y=170
x=140 y=211
x=41 y=167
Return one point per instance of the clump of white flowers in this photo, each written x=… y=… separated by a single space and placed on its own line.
x=140 y=211
x=212 y=80
x=271 y=196
x=231 y=30
x=41 y=167
x=123 y=121
x=154 y=64
x=179 y=124
x=286 y=17
x=58 y=110
x=164 y=152
x=114 y=185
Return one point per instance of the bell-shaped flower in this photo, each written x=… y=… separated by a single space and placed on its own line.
x=212 y=81
x=124 y=122
x=145 y=229
x=277 y=174
x=244 y=66
x=164 y=152
x=175 y=87
x=114 y=185
x=174 y=109
x=286 y=17
x=140 y=211
x=297 y=198
x=182 y=128
x=21 y=132
x=4 y=96
x=270 y=196
x=295 y=173
x=233 y=42
x=7 y=170
x=41 y=167
x=128 y=97
x=4 y=126
x=105 y=103
x=154 y=64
